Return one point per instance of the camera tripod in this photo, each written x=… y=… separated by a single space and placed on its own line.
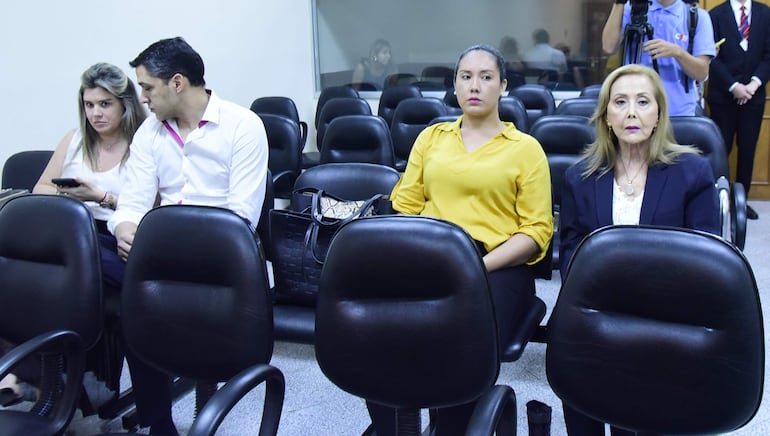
x=633 y=39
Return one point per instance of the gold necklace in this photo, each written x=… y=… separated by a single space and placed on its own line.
x=629 y=189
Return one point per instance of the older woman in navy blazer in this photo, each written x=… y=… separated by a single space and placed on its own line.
x=634 y=173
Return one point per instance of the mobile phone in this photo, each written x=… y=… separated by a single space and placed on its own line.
x=65 y=182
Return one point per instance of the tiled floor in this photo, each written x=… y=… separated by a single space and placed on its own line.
x=314 y=406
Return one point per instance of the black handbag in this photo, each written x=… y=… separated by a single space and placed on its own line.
x=299 y=242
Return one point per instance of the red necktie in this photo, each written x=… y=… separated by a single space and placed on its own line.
x=744 y=26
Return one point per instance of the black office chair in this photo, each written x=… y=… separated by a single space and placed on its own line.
x=591 y=91
x=439 y=74
x=351 y=181
x=51 y=296
x=331 y=92
x=659 y=331
x=196 y=303
x=283 y=106
x=704 y=134
x=23 y=169
x=537 y=99
x=512 y=109
x=583 y=106
x=423 y=335
x=411 y=117
x=563 y=138
x=333 y=108
x=452 y=105
x=398 y=79
x=358 y=138
x=390 y=98
x=285 y=159
x=263 y=227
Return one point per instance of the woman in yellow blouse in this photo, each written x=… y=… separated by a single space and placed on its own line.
x=489 y=178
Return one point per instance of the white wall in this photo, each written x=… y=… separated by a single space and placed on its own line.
x=250 y=48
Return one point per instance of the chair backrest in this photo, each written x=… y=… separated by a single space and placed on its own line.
x=23 y=169
x=411 y=117
x=358 y=138
x=397 y=79
x=563 y=134
x=337 y=107
x=512 y=109
x=563 y=138
x=704 y=134
x=283 y=106
x=658 y=330
x=391 y=96
x=196 y=285
x=263 y=227
x=333 y=92
x=50 y=268
x=350 y=181
x=537 y=99
x=404 y=340
x=285 y=158
x=439 y=74
x=452 y=105
x=591 y=91
x=583 y=106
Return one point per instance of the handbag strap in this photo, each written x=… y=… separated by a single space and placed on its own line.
x=317 y=214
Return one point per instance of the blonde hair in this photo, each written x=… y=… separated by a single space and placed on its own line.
x=601 y=155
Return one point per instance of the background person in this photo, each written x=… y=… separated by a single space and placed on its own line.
x=676 y=66
x=375 y=68
x=544 y=57
x=493 y=181
x=633 y=174
x=738 y=75
x=94 y=155
x=198 y=149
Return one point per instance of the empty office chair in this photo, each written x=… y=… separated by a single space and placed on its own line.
x=439 y=74
x=285 y=159
x=196 y=303
x=391 y=97
x=358 y=138
x=398 y=79
x=537 y=99
x=452 y=105
x=591 y=91
x=659 y=331
x=333 y=92
x=333 y=108
x=351 y=181
x=704 y=134
x=441 y=301
x=583 y=106
x=23 y=169
x=51 y=297
x=563 y=138
x=283 y=106
x=411 y=117
x=512 y=109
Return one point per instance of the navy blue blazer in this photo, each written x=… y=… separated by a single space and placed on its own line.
x=678 y=195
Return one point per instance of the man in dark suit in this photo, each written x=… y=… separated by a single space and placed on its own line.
x=737 y=79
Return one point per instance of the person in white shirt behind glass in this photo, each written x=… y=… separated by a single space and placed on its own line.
x=544 y=57
x=198 y=149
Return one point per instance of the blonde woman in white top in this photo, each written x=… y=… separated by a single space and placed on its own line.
x=94 y=153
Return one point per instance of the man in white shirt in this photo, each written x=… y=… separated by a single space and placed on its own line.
x=198 y=149
x=544 y=57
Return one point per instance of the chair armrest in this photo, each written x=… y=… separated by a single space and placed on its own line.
x=303 y=136
x=530 y=320
x=220 y=404
x=62 y=341
x=738 y=215
x=283 y=183
x=723 y=193
x=495 y=413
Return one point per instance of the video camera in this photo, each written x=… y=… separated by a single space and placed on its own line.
x=639 y=10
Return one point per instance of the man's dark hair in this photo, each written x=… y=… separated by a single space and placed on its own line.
x=170 y=56
x=541 y=36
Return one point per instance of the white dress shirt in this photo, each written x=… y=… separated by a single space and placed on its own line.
x=221 y=163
